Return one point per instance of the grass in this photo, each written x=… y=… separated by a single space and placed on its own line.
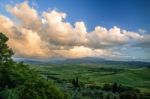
x=98 y=74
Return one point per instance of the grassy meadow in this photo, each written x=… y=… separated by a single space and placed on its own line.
x=98 y=74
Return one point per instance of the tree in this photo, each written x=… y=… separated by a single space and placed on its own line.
x=5 y=62
x=5 y=51
x=75 y=82
x=18 y=81
x=114 y=87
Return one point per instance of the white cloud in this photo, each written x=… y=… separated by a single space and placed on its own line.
x=142 y=31
x=49 y=35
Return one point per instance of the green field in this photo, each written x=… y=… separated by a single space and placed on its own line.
x=98 y=74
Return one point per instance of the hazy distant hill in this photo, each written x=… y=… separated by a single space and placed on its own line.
x=85 y=60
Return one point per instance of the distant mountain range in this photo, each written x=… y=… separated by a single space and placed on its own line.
x=85 y=60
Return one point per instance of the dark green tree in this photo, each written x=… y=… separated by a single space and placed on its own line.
x=114 y=87
x=5 y=51
x=18 y=81
x=75 y=82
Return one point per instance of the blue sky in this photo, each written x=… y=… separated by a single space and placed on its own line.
x=133 y=16
x=126 y=14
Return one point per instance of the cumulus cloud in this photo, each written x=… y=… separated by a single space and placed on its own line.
x=47 y=34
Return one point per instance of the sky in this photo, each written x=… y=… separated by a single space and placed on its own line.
x=111 y=29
